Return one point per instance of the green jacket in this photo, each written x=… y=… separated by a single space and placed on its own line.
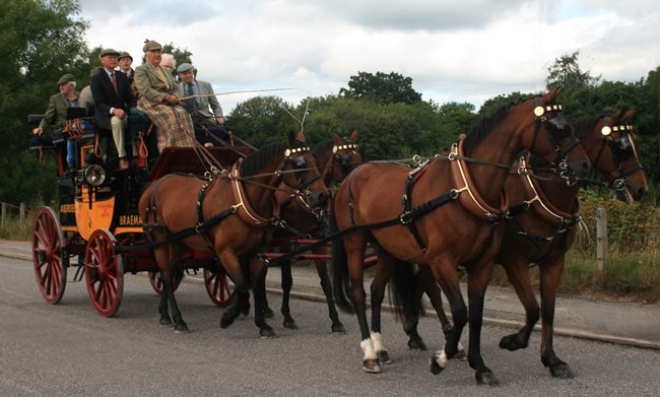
x=56 y=112
x=150 y=85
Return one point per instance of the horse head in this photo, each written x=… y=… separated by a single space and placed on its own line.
x=614 y=151
x=299 y=171
x=553 y=139
x=345 y=156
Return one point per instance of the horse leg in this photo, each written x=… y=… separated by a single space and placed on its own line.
x=180 y=326
x=322 y=270
x=446 y=276
x=518 y=274
x=550 y=277
x=287 y=283
x=355 y=247
x=258 y=272
x=427 y=284
x=478 y=278
x=384 y=271
x=236 y=274
x=162 y=259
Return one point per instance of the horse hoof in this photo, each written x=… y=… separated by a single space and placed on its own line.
x=512 y=342
x=268 y=313
x=290 y=324
x=267 y=333
x=371 y=366
x=562 y=372
x=460 y=353
x=181 y=329
x=166 y=322
x=384 y=357
x=438 y=362
x=226 y=321
x=486 y=379
x=338 y=329
x=417 y=344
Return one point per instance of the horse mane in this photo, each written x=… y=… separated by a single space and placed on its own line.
x=584 y=125
x=323 y=147
x=257 y=160
x=484 y=125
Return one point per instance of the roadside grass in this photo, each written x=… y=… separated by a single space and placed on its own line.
x=13 y=229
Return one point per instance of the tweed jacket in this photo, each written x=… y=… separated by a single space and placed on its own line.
x=106 y=98
x=150 y=85
x=56 y=113
x=204 y=102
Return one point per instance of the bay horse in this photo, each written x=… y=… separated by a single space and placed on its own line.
x=336 y=158
x=541 y=228
x=544 y=229
x=462 y=203
x=233 y=215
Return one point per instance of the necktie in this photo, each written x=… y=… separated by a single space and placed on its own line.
x=114 y=82
x=190 y=103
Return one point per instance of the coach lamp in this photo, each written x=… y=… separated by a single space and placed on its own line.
x=94 y=175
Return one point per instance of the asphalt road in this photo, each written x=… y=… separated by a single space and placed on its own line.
x=69 y=350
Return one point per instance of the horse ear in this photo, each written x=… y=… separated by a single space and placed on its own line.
x=552 y=95
x=300 y=136
x=618 y=115
x=354 y=135
x=629 y=114
x=336 y=139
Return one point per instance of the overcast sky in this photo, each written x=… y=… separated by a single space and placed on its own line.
x=464 y=51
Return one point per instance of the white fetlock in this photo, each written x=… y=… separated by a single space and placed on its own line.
x=460 y=354
x=367 y=346
x=441 y=358
x=381 y=351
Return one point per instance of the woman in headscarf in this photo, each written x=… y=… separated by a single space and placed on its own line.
x=157 y=99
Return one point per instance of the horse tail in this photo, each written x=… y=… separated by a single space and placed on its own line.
x=403 y=291
x=339 y=267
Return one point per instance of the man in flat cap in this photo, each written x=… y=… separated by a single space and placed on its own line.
x=56 y=114
x=203 y=106
x=112 y=100
x=125 y=62
x=158 y=100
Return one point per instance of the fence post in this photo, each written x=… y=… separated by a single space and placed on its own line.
x=601 y=241
x=4 y=214
x=23 y=210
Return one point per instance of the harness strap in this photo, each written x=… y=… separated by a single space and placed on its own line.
x=407 y=202
x=200 y=226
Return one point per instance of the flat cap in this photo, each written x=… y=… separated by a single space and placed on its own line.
x=184 y=67
x=109 y=51
x=151 y=45
x=65 y=79
x=125 y=54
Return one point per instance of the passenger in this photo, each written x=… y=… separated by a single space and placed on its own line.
x=158 y=101
x=204 y=107
x=56 y=115
x=125 y=62
x=112 y=100
x=168 y=62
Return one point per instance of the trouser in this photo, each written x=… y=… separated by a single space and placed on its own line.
x=118 y=125
x=70 y=151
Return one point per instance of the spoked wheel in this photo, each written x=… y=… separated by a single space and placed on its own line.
x=157 y=283
x=219 y=287
x=104 y=273
x=47 y=254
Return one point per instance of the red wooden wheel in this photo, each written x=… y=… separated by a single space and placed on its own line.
x=219 y=287
x=47 y=254
x=157 y=284
x=104 y=273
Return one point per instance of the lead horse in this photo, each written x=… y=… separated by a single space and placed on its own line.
x=541 y=228
x=462 y=203
x=544 y=228
x=232 y=216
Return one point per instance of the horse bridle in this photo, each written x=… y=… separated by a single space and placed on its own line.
x=558 y=123
x=619 y=184
x=344 y=166
x=303 y=192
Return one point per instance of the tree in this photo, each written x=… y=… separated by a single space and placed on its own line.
x=263 y=119
x=565 y=73
x=381 y=88
x=39 y=42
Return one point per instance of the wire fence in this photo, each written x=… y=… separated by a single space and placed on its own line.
x=10 y=211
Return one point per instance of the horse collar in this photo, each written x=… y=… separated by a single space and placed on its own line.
x=243 y=208
x=472 y=201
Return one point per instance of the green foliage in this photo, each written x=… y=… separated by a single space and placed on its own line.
x=263 y=119
x=381 y=88
x=39 y=42
x=565 y=72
